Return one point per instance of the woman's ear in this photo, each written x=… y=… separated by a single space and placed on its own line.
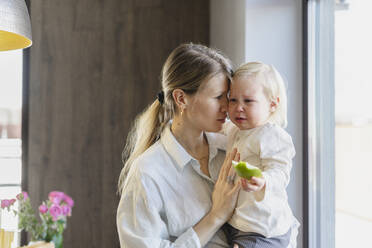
x=179 y=97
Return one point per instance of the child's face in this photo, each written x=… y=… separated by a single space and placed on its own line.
x=248 y=105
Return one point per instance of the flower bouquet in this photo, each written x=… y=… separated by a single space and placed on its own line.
x=52 y=219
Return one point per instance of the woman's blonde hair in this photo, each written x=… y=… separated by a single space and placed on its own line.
x=273 y=85
x=186 y=68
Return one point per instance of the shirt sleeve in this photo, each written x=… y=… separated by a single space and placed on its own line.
x=276 y=153
x=141 y=221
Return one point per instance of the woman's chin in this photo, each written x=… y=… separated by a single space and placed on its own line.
x=216 y=129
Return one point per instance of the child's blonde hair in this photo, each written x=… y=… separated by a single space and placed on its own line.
x=273 y=85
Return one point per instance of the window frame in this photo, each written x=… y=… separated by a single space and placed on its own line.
x=319 y=124
x=25 y=119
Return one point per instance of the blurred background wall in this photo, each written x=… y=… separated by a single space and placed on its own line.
x=94 y=65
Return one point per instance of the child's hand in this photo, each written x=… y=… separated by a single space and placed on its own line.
x=253 y=185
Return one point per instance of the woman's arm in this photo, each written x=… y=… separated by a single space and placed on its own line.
x=141 y=222
x=224 y=200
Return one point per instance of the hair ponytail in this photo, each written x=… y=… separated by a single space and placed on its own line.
x=146 y=131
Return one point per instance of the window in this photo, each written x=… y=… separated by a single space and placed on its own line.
x=339 y=124
x=10 y=132
x=353 y=127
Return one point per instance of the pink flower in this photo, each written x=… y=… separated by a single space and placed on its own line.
x=68 y=200
x=55 y=211
x=66 y=210
x=22 y=196
x=56 y=197
x=43 y=209
x=5 y=203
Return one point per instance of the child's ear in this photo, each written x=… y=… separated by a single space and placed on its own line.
x=274 y=104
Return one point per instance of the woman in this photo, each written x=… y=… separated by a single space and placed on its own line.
x=177 y=187
x=174 y=191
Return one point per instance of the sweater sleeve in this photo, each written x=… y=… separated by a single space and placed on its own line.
x=276 y=153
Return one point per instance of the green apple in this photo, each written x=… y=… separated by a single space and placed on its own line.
x=245 y=170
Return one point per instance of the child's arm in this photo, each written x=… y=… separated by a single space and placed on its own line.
x=276 y=153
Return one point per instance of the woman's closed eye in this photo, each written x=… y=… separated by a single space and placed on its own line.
x=221 y=96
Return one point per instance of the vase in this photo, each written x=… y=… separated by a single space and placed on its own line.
x=57 y=239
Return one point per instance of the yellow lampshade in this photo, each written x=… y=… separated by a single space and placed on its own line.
x=15 y=25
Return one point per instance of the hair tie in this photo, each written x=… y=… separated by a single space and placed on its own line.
x=161 y=97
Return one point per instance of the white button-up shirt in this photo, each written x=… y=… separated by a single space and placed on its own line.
x=166 y=194
x=270 y=148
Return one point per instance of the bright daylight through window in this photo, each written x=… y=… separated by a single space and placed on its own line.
x=353 y=133
x=10 y=132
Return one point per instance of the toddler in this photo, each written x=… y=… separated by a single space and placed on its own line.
x=258 y=108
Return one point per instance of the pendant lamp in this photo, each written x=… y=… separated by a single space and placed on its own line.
x=15 y=25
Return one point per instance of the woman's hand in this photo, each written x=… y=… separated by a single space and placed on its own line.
x=253 y=185
x=224 y=198
x=226 y=189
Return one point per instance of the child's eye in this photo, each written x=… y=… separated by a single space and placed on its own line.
x=232 y=100
x=248 y=100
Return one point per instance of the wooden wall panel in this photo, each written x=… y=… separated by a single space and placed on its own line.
x=94 y=65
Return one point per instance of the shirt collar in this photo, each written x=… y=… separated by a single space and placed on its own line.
x=248 y=132
x=174 y=149
x=216 y=142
